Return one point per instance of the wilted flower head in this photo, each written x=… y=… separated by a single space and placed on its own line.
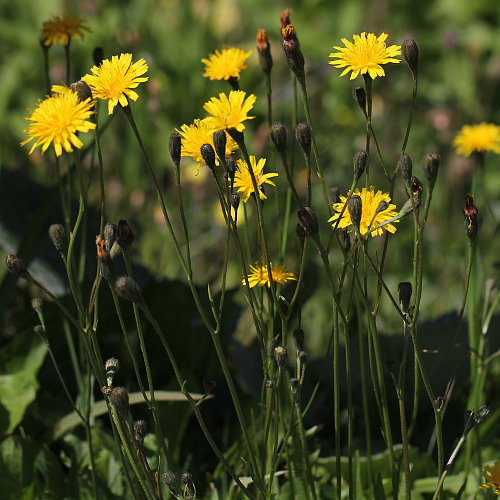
x=365 y=55
x=225 y=64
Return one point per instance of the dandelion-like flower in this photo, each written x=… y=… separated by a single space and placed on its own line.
x=365 y=55
x=243 y=179
x=492 y=476
x=230 y=112
x=56 y=120
x=62 y=29
x=481 y=137
x=198 y=133
x=226 y=64
x=114 y=80
x=376 y=209
x=259 y=275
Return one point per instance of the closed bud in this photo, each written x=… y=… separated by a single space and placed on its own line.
x=108 y=269
x=304 y=136
x=285 y=17
x=298 y=338
x=174 y=147
x=431 y=167
x=187 y=478
x=303 y=357
x=359 y=95
x=236 y=135
x=409 y=49
x=264 y=51
x=16 y=266
x=235 y=201
x=36 y=304
x=119 y=399
x=300 y=231
x=82 y=90
x=98 y=56
x=355 y=207
x=39 y=330
x=220 y=140
x=208 y=155
x=308 y=219
x=293 y=54
x=111 y=368
x=482 y=414
x=404 y=293
x=170 y=479
x=359 y=162
x=140 y=430
x=124 y=235
x=406 y=167
x=281 y=355
x=231 y=167
x=109 y=234
x=335 y=194
x=278 y=135
x=294 y=385
x=57 y=234
x=383 y=205
x=128 y=289
x=470 y=216
x=345 y=239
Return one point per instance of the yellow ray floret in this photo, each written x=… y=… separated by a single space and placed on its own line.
x=481 y=137
x=225 y=64
x=230 y=112
x=259 y=276
x=243 y=179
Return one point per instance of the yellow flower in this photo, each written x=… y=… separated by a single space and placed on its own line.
x=198 y=133
x=114 y=80
x=482 y=137
x=365 y=55
x=492 y=476
x=243 y=179
x=369 y=217
x=226 y=64
x=259 y=275
x=57 y=119
x=228 y=113
x=62 y=28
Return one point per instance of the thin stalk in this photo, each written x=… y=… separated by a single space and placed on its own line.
x=68 y=60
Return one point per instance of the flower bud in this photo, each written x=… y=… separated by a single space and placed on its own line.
x=470 y=215
x=98 y=56
x=304 y=136
x=406 y=167
x=231 y=167
x=187 y=478
x=108 y=269
x=293 y=54
x=355 y=207
x=140 y=430
x=109 y=234
x=431 y=167
x=170 y=479
x=128 y=289
x=294 y=385
x=16 y=266
x=119 y=399
x=208 y=155
x=111 y=368
x=39 y=330
x=404 y=293
x=301 y=232
x=409 y=48
x=174 y=147
x=359 y=95
x=264 y=51
x=57 y=234
x=359 y=161
x=236 y=135
x=285 y=17
x=281 y=355
x=303 y=357
x=235 y=201
x=482 y=414
x=82 y=90
x=345 y=239
x=220 y=140
x=298 y=338
x=278 y=135
x=124 y=235
x=309 y=221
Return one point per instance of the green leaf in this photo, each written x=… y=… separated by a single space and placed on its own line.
x=19 y=364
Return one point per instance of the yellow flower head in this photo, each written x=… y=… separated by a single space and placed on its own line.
x=230 y=112
x=365 y=55
x=370 y=202
x=243 y=179
x=114 y=80
x=492 y=476
x=259 y=275
x=62 y=29
x=198 y=133
x=57 y=119
x=482 y=137
x=226 y=64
